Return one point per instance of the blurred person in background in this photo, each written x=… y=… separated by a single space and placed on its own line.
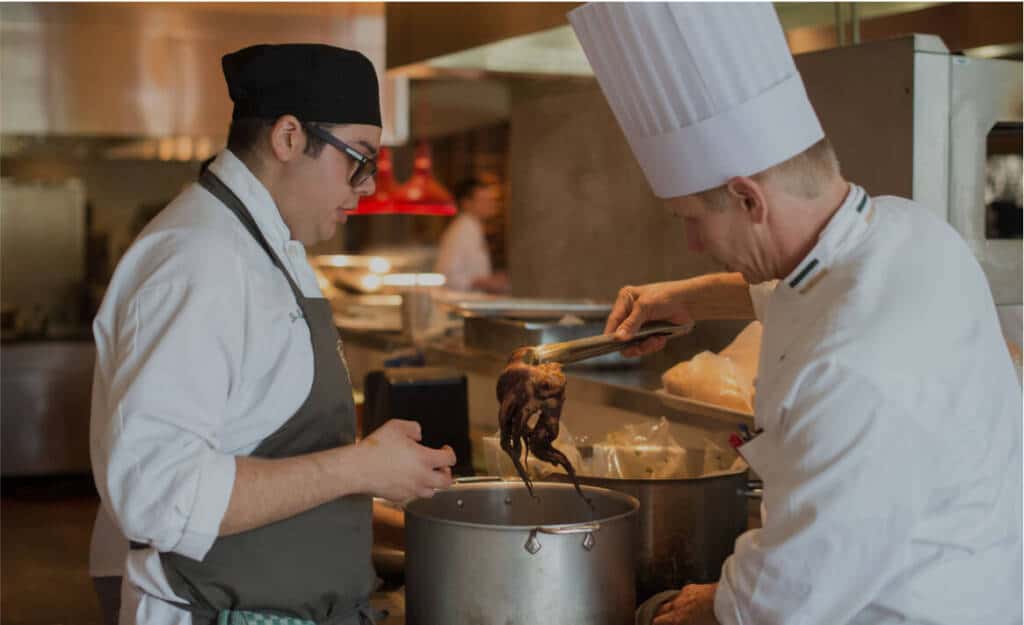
x=463 y=256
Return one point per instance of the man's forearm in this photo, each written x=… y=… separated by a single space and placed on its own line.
x=717 y=296
x=269 y=490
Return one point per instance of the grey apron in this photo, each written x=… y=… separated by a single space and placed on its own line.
x=316 y=565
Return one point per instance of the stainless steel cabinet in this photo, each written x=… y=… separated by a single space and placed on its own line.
x=45 y=391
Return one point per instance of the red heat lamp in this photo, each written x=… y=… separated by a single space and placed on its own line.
x=382 y=201
x=421 y=195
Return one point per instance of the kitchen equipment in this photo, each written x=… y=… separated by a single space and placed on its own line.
x=490 y=554
x=687 y=527
x=434 y=397
x=933 y=116
x=379 y=313
x=594 y=346
x=531 y=308
x=697 y=407
x=501 y=336
x=42 y=252
x=418 y=314
x=45 y=388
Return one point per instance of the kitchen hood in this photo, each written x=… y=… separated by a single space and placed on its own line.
x=473 y=39
x=153 y=69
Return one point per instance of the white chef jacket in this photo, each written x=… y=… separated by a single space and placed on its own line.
x=202 y=352
x=462 y=254
x=891 y=444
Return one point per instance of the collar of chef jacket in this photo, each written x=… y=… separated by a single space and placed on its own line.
x=787 y=310
x=234 y=173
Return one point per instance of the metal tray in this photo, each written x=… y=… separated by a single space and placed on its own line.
x=693 y=406
x=541 y=309
x=502 y=336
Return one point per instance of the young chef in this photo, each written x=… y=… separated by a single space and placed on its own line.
x=223 y=423
x=888 y=412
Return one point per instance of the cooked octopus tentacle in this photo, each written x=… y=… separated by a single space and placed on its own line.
x=512 y=435
x=543 y=450
x=524 y=391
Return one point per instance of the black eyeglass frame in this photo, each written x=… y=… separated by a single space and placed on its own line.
x=366 y=166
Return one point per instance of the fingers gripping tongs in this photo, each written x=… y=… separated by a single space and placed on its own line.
x=594 y=346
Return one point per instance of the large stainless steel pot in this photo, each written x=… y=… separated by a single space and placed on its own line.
x=490 y=554
x=688 y=527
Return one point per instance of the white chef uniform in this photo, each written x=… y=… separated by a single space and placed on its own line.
x=196 y=295
x=462 y=254
x=892 y=425
x=891 y=450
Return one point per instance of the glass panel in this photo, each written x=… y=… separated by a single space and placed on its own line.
x=1004 y=171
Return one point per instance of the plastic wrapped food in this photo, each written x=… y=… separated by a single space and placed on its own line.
x=725 y=379
x=642 y=450
x=498 y=462
x=649 y=451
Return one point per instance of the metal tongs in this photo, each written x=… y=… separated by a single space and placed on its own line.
x=594 y=346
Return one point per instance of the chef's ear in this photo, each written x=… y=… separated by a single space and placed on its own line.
x=749 y=194
x=287 y=138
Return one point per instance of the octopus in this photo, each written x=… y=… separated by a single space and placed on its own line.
x=526 y=391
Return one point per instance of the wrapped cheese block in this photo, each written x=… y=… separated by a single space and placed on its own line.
x=725 y=379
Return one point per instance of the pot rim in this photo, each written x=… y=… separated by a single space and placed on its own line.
x=633 y=502
x=659 y=480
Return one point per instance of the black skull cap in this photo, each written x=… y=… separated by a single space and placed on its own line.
x=314 y=82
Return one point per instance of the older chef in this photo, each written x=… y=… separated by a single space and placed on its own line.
x=888 y=412
x=223 y=425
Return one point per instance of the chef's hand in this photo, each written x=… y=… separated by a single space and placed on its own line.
x=636 y=305
x=694 y=605
x=397 y=467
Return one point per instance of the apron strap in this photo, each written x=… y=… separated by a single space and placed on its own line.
x=209 y=181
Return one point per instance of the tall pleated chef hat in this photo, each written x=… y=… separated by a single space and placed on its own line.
x=703 y=91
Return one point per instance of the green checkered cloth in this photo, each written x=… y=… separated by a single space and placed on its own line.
x=241 y=617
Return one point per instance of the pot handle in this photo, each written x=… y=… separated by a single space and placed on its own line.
x=533 y=545
x=585 y=528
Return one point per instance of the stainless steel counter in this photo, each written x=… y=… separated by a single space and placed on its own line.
x=375 y=340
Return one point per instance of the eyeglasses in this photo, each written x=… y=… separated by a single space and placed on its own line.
x=366 y=167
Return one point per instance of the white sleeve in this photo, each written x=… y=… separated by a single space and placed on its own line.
x=156 y=439
x=759 y=294
x=843 y=486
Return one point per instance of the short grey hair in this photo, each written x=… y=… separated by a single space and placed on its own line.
x=804 y=175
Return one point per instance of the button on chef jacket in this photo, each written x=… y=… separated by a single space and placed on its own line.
x=197 y=296
x=891 y=451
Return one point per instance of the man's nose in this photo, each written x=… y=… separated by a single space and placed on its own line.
x=367 y=187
